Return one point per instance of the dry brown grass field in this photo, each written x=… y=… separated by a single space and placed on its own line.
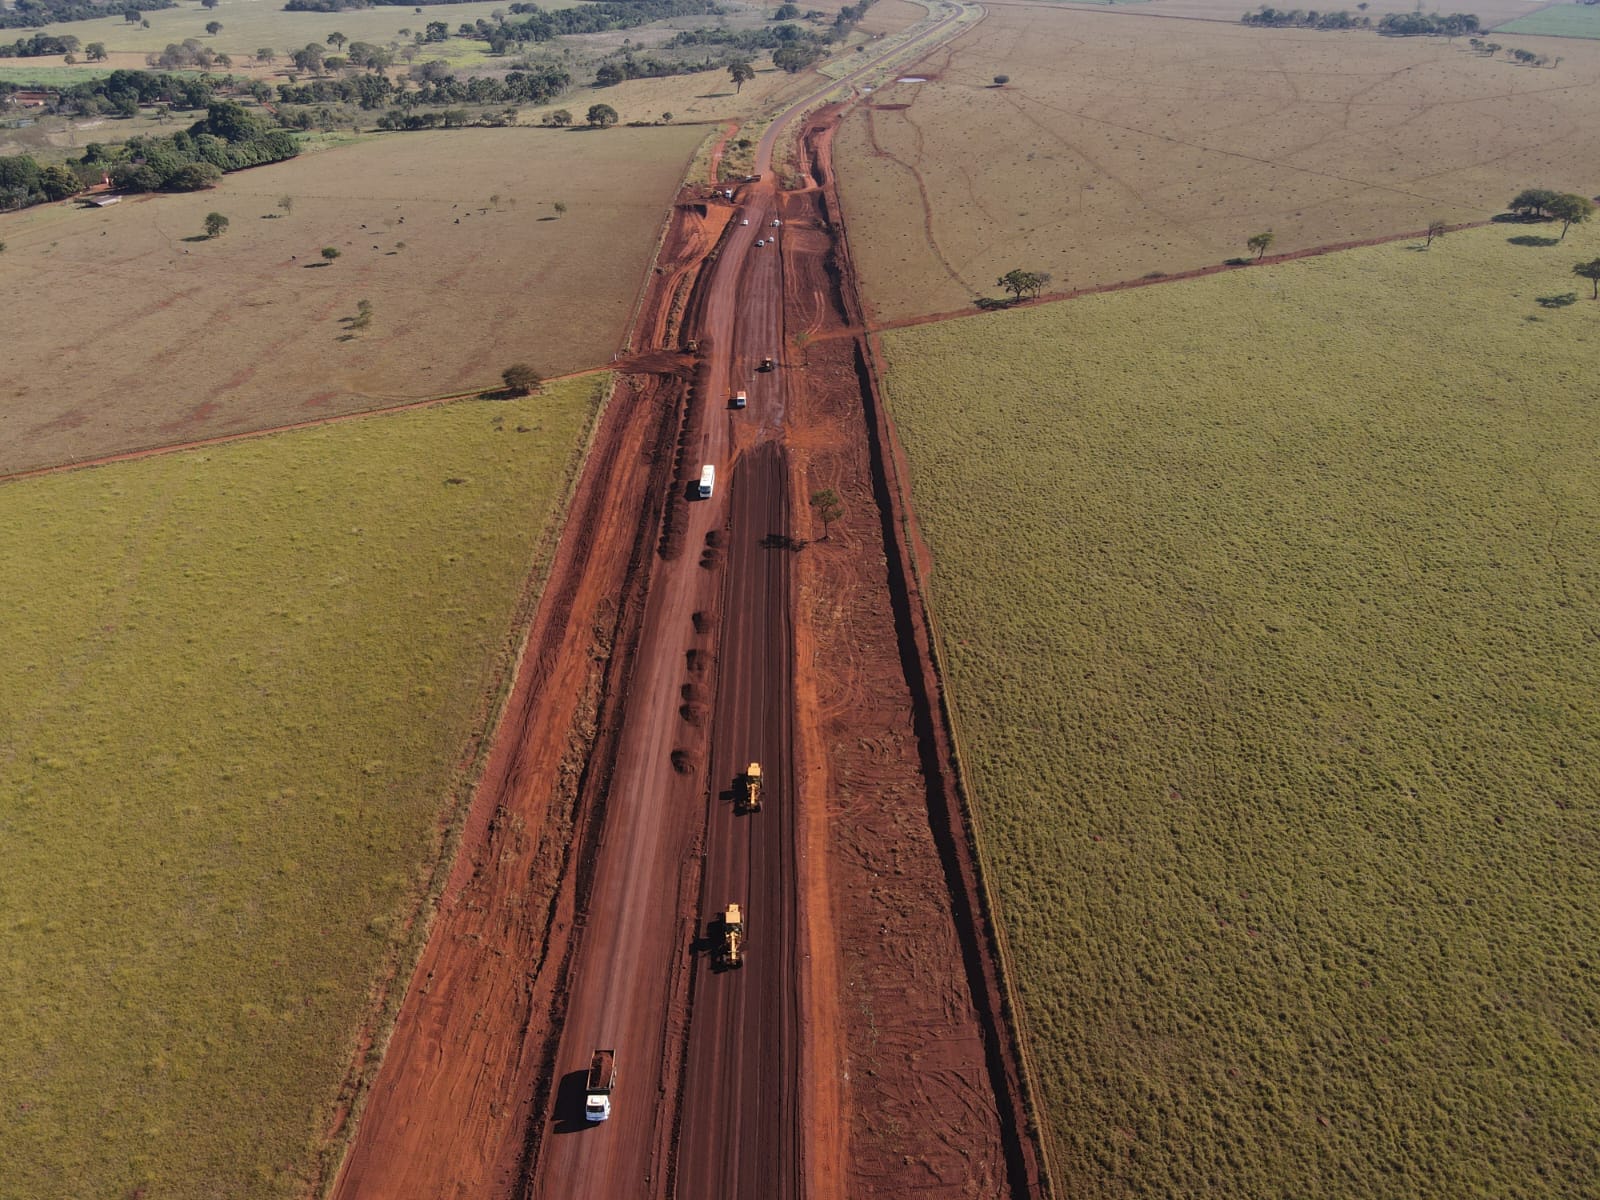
x=1125 y=145
x=133 y=333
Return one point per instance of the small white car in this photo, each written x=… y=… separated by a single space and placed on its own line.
x=776 y=222
x=761 y=241
x=746 y=221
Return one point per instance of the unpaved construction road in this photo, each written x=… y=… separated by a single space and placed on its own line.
x=861 y=1049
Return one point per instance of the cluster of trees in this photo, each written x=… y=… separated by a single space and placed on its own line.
x=189 y=54
x=27 y=14
x=39 y=46
x=1296 y=18
x=1526 y=57
x=1420 y=24
x=1567 y=207
x=228 y=139
x=123 y=92
x=24 y=182
x=349 y=5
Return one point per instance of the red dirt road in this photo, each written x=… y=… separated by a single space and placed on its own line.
x=860 y=1051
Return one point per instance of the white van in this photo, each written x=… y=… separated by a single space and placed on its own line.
x=708 y=480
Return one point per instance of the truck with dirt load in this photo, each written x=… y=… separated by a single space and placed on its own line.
x=750 y=792
x=597 y=1089
x=731 y=953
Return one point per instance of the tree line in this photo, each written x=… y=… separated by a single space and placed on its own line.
x=1276 y=18
x=229 y=138
x=26 y=14
x=1412 y=24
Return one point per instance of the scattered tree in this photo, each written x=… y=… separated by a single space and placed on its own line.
x=336 y=40
x=216 y=224
x=1571 y=209
x=560 y=117
x=601 y=115
x=1001 y=80
x=363 y=317
x=1591 y=271
x=208 y=3
x=1022 y=283
x=1436 y=229
x=287 y=204
x=829 y=508
x=561 y=208
x=329 y=253
x=266 y=55
x=520 y=379
x=666 y=118
x=132 y=16
x=1259 y=242
x=96 y=51
x=213 y=27
x=742 y=73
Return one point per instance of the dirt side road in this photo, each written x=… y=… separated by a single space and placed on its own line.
x=930 y=1079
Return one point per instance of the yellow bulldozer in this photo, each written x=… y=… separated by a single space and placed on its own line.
x=750 y=789
x=731 y=953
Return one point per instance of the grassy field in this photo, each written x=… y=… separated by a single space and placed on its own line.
x=238 y=686
x=1124 y=146
x=1272 y=639
x=137 y=334
x=1558 y=20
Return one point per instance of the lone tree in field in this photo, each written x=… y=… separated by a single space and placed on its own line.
x=336 y=40
x=216 y=224
x=560 y=207
x=213 y=27
x=287 y=204
x=1591 y=271
x=742 y=73
x=1259 y=243
x=1571 y=209
x=1022 y=283
x=601 y=115
x=1001 y=80
x=329 y=253
x=560 y=117
x=829 y=508
x=1436 y=229
x=96 y=51
x=520 y=379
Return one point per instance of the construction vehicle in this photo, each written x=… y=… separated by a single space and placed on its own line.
x=731 y=953
x=766 y=363
x=751 y=798
x=740 y=399
x=597 y=1089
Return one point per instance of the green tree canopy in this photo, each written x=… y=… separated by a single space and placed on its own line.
x=602 y=115
x=1570 y=209
x=1259 y=242
x=1591 y=271
x=216 y=224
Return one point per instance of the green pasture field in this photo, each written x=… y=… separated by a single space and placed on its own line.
x=1268 y=608
x=1559 y=20
x=248 y=25
x=45 y=75
x=239 y=682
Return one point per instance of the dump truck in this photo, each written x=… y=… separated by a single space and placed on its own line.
x=732 y=952
x=597 y=1090
x=751 y=798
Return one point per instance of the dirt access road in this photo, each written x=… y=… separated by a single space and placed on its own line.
x=602 y=838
